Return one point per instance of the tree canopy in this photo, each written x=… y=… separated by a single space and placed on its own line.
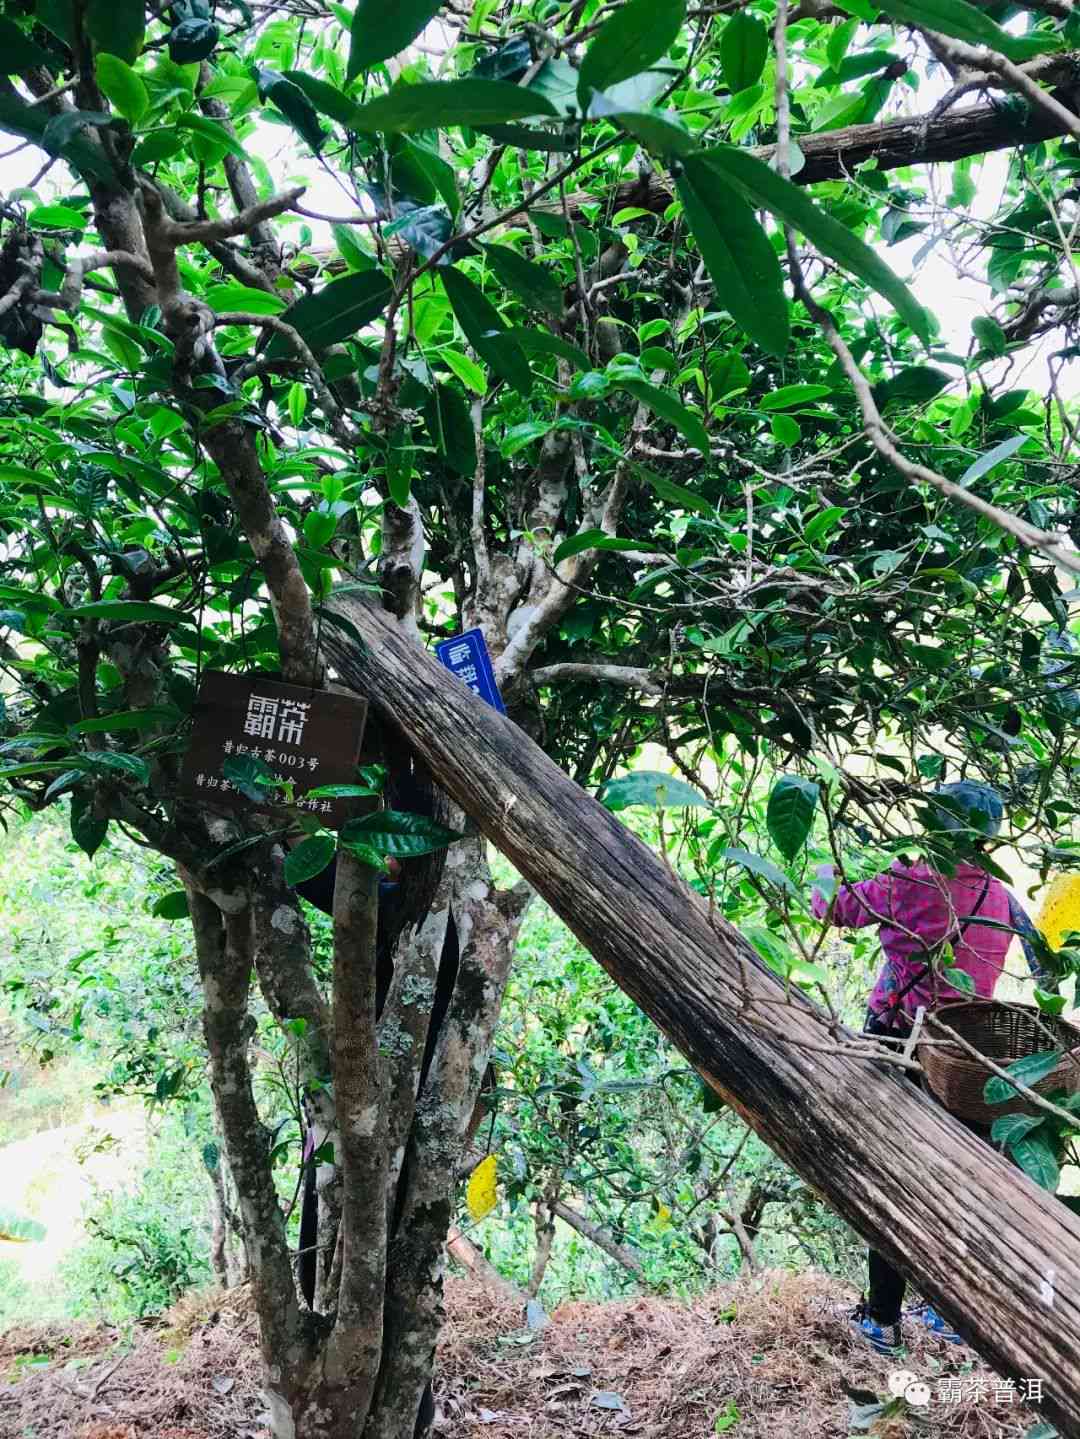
x=628 y=333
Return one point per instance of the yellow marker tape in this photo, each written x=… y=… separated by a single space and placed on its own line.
x=1060 y=910
x=480 y=1195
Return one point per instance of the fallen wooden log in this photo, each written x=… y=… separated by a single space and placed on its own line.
x=998 y=1255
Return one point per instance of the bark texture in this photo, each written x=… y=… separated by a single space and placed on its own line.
x=996 y=1253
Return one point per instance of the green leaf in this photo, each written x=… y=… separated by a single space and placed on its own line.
x=659 y=133
x=1052 y=1004
x=419 y=171
x=744 y=47
x=173 y=905
x=1037 y=1159
x=297 y=406
x=424 y=228
x=252 y=777
x=399 y=466
x=651 y=789
x=309 y=858
x=56 y=217
x=383 y=28
x=985 y=463
x=365 y=854
x=58 y=135
x=87 y=830
x=542 y=342
x=117 y=26
x=326 y=98
x=335 y=312
x=638 y=34
x=1028 y=1070
x=319 y=528
x=397 y=833
x=485 y=331
x=913 y=385
x=18 y=52
x=342 y=791
x=668 y=407
x=547 y=141
x=192 y=40
x=786 y=431
x=737 y=254
x=763 y=186
x=789 y=816
x=517 y=437
x=352 y=252
x=675 y=494
x=836 y=47
x=466 y=369
x=435 y=104
x=293 y=104
x=1008 y=1128
x=990 y=335
x=757 y=864
x=130 y=611
x=592 y=540
x=959 y=979
x=120 y=84
x=450 y=428
x=537 y=286
x=106 y=762
x=964 y=22
x=789 y=395
x=125 y=720
x=243 y=299
x=212 y=132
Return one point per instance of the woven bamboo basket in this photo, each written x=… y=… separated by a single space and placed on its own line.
x=1003 y=1032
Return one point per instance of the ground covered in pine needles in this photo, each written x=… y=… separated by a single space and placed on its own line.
x=763 y=1357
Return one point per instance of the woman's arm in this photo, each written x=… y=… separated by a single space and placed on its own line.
x=854 y=905
x=1022 y=923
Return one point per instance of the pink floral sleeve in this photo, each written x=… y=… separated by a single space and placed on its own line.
x=857 y=904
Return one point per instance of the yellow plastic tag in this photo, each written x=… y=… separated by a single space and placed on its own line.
x=480 y=1195
x=1060 y=910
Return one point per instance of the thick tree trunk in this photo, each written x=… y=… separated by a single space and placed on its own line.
x=998 y=1255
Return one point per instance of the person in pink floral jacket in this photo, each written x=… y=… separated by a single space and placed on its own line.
x=918 y=910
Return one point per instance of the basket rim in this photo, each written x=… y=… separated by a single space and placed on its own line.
x=951 y=1053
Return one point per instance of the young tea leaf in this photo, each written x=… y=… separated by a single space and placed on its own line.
x=381 y=29
x=737 y=254
x=398 y=833
x=638 y=34
x=744 y=47
x=309 y=858
x=789 y=815
x=651 y=789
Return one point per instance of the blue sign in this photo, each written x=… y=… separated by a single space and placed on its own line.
x=467 y=657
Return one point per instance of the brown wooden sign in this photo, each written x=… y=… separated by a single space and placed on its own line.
x=307 y=736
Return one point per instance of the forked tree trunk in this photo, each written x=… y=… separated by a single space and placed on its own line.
x=359 y=1362
x=999 y=1255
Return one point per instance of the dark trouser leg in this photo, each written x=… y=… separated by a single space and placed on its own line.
x=887 y=1287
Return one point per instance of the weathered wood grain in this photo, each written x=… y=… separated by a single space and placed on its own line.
x=999 y=1255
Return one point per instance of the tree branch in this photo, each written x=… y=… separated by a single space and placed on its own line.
x=599 y=1236
x=355 y=1348
x=886 y=444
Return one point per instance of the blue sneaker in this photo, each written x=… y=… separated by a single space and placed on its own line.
x=926 y=1315
x=884 y=1338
